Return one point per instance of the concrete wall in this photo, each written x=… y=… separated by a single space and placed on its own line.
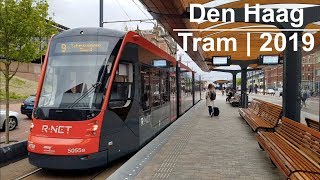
x=28 y=71
x=12 y=153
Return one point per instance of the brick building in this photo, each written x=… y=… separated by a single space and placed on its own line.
x=273 y=76
x=158 y=36
x=310 y=73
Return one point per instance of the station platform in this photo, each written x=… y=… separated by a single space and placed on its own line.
x=199 y=147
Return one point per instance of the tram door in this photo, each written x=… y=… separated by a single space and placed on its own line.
x=173 y=94
x=155 y=97
x=145 y=103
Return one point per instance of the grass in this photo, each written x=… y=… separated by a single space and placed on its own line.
x=19 y=88
x=12 y=95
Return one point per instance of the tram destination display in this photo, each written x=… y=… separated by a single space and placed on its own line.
x=160 y=63
x=81 y=47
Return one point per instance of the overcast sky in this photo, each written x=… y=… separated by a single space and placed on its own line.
x=85 y=13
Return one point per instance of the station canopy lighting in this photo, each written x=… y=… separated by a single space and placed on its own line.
x=221 y=60
x=269 y=60
x=175 y=18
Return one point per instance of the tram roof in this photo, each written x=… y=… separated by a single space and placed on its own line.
x=173 y=15
x=92 y=31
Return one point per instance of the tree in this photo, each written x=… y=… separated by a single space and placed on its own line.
x=238 y=81
x=23 y=28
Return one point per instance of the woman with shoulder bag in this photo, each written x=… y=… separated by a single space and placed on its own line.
x=210 y=97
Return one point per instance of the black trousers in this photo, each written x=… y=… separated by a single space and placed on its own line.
x=210 y=109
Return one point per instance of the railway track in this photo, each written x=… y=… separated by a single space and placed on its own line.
x=47 y=174
x=29 y=174
x=34 y=173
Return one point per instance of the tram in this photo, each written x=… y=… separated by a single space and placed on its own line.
x=104 y=94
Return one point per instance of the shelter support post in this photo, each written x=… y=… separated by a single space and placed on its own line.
x=234 y=81
x=244 y=96
x=252 y=84
x=264 y=82
x=193 y=89
x=200 y=87
x=291 y=101
x=178 y=89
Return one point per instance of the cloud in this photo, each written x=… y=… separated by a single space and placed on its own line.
x=74 y=13
x=85 y=13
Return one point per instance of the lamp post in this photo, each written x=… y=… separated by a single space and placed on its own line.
x=101 y=14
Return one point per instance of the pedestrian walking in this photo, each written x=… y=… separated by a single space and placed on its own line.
x=210 y=97
x=256 y=88
x=250 y=89
x=304 y=97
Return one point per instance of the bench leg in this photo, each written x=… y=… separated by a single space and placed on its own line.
x=261 y=147
x=272 y=162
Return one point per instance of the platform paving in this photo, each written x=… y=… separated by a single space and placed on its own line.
x=200 y=147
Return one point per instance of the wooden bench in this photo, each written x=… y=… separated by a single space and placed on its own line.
x=313 y=124
x=294 y=148
x=261 y=115
x=304 y=175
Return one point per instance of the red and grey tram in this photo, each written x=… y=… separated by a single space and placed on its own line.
x=103 y=94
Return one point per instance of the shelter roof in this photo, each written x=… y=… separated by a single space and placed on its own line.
x=173 y=15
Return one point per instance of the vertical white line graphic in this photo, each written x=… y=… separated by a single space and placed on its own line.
x=248 y=45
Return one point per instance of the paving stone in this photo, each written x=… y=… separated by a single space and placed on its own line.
x=221 y=147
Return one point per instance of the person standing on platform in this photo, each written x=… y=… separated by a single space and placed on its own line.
x=210 y=97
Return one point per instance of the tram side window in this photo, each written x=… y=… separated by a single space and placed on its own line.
x=145 y=88
x=156 y=90
x=165 y=86
x=155 y=87
x=122 y=86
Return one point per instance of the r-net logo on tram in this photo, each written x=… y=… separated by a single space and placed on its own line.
x=56 y=129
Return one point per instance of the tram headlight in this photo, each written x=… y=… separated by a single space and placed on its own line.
x=95 y=127
x=31 y=126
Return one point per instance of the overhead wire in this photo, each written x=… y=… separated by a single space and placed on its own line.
x=142 y=11
x=123 y=9
x=165 y=40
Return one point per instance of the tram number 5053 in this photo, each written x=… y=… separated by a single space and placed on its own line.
x=280 y=41
x=76 y=150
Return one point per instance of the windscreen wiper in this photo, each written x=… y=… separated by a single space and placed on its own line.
x=92 y=88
